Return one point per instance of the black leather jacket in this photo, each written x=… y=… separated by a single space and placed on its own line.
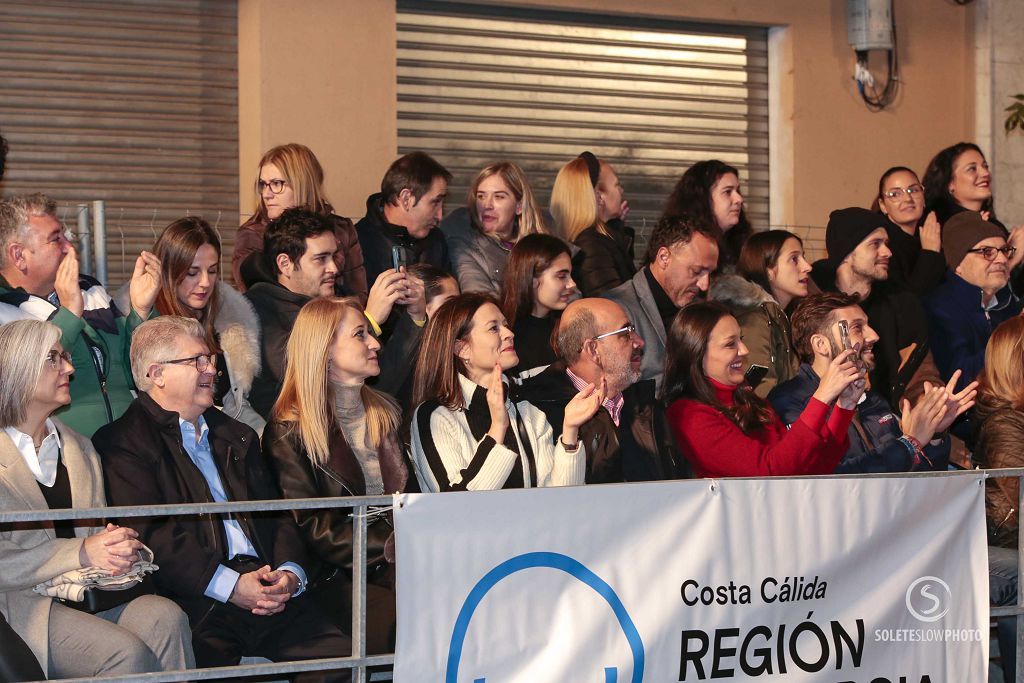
x=328 y=531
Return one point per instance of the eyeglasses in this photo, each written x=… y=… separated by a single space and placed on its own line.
x=276 y=186
x=897 y=192
x=628 y=329
x=201 y=362
x=989 y=253
x=53 y=358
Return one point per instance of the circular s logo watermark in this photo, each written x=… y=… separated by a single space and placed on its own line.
x=929 y=598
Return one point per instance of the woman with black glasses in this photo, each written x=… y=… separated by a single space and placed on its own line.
x=290 y=176
x=915 y=242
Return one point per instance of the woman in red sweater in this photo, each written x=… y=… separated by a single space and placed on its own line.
x=724 y=429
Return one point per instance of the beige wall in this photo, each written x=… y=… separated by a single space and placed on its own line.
x=323 y=72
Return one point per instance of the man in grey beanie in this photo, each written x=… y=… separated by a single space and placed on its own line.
x=976 y=296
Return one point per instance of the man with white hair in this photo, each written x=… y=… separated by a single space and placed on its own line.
x=40 y=278
x=240 y=577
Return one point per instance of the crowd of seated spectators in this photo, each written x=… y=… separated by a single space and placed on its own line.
x=503 y=346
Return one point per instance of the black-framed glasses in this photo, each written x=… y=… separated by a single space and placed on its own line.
x=989 y=253
x=202 y=362
x=53 y=358
x=628 y=330
x=897 y=192
x=276 y=186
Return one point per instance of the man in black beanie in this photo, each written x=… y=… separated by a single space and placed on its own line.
x=858 y=263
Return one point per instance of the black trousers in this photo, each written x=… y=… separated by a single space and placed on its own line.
x=227 y=633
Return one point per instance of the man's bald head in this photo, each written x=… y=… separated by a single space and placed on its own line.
x=581 y=320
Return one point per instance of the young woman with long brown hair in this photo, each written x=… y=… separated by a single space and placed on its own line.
x=190 y=254
x=291 y=176
x=467 y=432
x=538 y=285
x=724 y=429
x=771 y=274
x=332 y=435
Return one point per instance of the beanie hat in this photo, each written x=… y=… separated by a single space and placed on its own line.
x=962 y=232
x=847 y=228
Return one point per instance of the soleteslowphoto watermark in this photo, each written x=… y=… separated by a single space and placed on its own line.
x=928 y=600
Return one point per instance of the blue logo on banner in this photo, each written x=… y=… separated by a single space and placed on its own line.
x=551 y=561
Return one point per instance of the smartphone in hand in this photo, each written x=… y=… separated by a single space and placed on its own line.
x=755 y=374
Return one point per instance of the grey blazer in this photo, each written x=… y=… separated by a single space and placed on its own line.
x=636 y=299
x=34 y=554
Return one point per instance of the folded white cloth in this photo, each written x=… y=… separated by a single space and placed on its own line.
x=71 y=585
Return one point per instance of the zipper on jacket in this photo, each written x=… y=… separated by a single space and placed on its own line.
x=101 y=374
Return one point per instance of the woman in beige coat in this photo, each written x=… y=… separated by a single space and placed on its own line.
x=45 y=465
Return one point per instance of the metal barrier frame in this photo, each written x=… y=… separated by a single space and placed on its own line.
x=358 y=661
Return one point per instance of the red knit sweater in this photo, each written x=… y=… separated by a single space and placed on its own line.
x=717 y=447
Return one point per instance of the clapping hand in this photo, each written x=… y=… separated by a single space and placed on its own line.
x=581 y=408
x=496 y=405
x=956 y=403
x=145 y=283
x=68 y=289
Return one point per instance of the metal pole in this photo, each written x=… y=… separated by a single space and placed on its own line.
x=359 y=590
x=1020 y=590
x=99 y=236
x=84 y=241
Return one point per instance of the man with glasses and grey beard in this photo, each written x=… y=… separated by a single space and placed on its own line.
x=974 y=299
x=628 y=438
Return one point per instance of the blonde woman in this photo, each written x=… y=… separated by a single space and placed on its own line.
x=502 y=210
x=588 y=205
x=290 y=176
x=330 y=435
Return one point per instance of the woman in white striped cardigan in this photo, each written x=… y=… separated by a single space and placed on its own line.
x=467 y=433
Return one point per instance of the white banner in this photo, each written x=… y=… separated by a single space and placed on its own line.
x=826 y=580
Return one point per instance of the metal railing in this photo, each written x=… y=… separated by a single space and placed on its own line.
x=358 y=661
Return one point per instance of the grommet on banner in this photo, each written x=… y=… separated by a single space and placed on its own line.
x=713 y=487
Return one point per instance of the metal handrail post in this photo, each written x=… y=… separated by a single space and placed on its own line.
x=84 y=241
x=359 y=522
x=1020 y=591
x=99 y=236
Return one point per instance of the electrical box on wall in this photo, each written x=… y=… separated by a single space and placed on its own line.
x=869 y=24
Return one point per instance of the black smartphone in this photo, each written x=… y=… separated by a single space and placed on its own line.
x=755 y=374
x=398 y=257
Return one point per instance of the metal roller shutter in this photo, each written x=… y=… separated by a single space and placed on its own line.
x=134 y=102
x=481 y=84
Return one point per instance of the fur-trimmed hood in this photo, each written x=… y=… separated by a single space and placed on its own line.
x=237 y=328
x=739 y=294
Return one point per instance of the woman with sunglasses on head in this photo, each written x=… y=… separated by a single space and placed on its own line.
x=538 y=286
x=502 y=210
x=291 y=176
x=468 y=432
x=44 y=465
x=724 y=429
x=916 y=244
x=771 y=274
x=332 y=435
x=190 y=254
